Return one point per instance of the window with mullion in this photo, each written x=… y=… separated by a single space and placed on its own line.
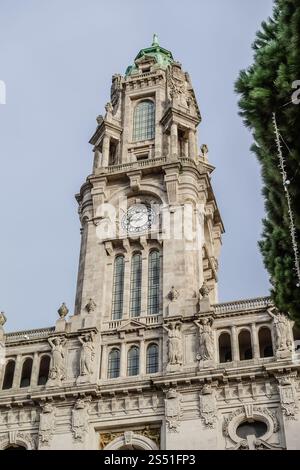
x=152 y=359
x=118 y=288
x=133 y=360
x=144 y=121
x=136 y=285
x=113 y=364
x=153 y=283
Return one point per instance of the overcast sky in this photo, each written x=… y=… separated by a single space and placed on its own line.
x=57 y=58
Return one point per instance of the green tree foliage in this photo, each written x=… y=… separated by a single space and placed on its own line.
x=264 y=88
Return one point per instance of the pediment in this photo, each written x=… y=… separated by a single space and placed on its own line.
x=131 y=325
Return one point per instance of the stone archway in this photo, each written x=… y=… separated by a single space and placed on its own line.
x=131 y=441
x=17 y=441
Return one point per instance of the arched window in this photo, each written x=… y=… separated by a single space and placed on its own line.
x=26 y=373
x=136 y=285
x=245 y=345
x=44 y=370
x=118 y=288
x=225 y=347
x=144 y=121
x=113 y=364
x=133 y=361
x=152 y=359
x=153 y=282
x=9 y=375
x=265 y=342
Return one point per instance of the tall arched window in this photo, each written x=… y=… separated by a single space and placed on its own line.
x=9 y=375
x=133 y=361
x=265 y=342
x=152 y=359
x=144 y=121
x=118 y=288
x=225 y=347
x=44 y=370
x=136 y=285
x=113 y=364
x=153 y=282
x=245 y=345
x=26 y=373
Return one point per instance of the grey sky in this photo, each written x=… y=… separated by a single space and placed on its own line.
x=57 y=58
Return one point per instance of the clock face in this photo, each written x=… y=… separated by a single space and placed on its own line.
x=139 y=218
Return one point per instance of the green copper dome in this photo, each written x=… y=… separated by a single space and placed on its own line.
x=162 y=56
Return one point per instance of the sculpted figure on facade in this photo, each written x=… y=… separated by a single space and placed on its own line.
x=80 y=419
x=288 y=395
x=47 y=423
x=57 y=371
x=174 y=343
x=283 y=326
x=173 y=409
x=87 y=354
x=63 y=310
x=173 y=294
x=90 y=306
x=208 y=410
x=206 y=340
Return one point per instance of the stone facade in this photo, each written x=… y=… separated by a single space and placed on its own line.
x=149 y=354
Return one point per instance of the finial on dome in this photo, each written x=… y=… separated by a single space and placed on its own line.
x=155 y=40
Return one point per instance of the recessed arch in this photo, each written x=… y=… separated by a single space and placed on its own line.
x=26 y=372
x=245 y=345
x=152 y=358
x=44 y=369
x=225 y=352
x=9 y=374
x=265 y=342
x=131 y=441
x=143 y=120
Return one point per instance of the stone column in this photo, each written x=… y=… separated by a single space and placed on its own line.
x=105 y=150
x=174 y=140
x=18 y=372
x=35 y=370
x=186 y=148
x=255 y=344
x=142 y=357
x=123 y=360
x=192 y=144
x=234 y=344
x=97 y=159
x=104 y=362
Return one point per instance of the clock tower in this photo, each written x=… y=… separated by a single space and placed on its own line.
x=150 y=223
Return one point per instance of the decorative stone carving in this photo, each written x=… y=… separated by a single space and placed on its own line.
x=2 y=319
x=177 y=85
x=208 y=410
x=173 y=294
x=109 y=111
x=283 y=328
x=206 y=340
x=115 y=91
x=20 y=438
x=252 y=443
x=90 y=306
x=173 y=409
x=57 y=371
x=288 y=395
x=63 y=310
x=47 y=424
x=153 y=434
x=204 y=290
x=204 y=150
x=99 y=119
x=80 y=419
x=174 y=345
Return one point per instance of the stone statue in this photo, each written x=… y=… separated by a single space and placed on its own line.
x=174 y=343
x=57 y=371
x=90 y=306
x=87 y=354
x=47 y=423
x=204 y=150
x=63 y=310
x=206 y=341
x=282 y=326
x=99 y=119
x=204 y=290
x=173 y=294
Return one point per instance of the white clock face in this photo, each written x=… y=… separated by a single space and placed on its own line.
x=139 y=218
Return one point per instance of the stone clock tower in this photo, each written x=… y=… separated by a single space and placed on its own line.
x=149 y=359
